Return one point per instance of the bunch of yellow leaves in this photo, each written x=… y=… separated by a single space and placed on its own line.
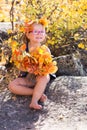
x=38 y=62
x=22 y=60
x=44 y=61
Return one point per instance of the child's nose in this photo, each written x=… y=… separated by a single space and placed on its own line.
x=38 y=32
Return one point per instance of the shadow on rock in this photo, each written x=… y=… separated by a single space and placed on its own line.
x=16 y=115
x=65 y=88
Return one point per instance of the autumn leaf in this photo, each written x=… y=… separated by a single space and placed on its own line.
x=43 y=21
x=23 y=47
x=76 y=36
x=81 y=45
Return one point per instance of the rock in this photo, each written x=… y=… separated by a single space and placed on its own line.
x=3 y=36
x=3 y=70
x=2 y=73
x=70 y=65
x=66 y=107
x=83 y=59
x=4 y=26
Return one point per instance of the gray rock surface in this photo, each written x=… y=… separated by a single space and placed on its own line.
x=4 y=26
x=66 y=107
x=72 y=65
x=83 y=59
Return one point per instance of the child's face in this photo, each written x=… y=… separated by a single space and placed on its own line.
x=38 y=34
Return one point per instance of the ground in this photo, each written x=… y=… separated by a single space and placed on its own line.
x=65 y=109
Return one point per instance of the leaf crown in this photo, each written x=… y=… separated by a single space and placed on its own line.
x=29 y=24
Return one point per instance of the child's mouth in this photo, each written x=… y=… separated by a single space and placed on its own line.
x=38 y=37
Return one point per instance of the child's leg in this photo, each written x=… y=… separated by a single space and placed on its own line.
x=21 y=86
x=43 y=98
x=38 y=91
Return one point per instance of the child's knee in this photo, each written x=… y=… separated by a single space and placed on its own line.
x=44 y=79
x=47 y=78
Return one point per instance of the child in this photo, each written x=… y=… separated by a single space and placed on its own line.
x=29 y=84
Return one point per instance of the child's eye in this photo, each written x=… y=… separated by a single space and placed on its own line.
x=42 y=31
x=35 y=31
x=38 y=32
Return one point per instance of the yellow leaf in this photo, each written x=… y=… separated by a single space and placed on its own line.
x=21 y=28
x=9 y=31
x=13 y=44
x=76 y=36
x=81 y=45
x=40 y=51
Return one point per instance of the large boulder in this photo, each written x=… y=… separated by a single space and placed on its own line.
x=66 y=107
x=4 y=26
x=72 y=65
x=83 y=59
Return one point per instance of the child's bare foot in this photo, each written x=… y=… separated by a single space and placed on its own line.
x=43 y=98
x=35 y=106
